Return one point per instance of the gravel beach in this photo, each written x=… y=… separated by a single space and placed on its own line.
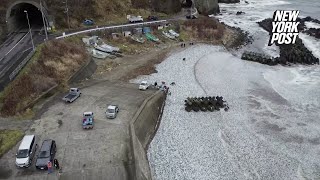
x=271 y=130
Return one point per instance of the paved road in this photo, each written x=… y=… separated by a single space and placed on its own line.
x=14 y=50
x=100 y=153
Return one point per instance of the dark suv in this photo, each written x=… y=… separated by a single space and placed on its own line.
x=152 y=18
x=46 y=154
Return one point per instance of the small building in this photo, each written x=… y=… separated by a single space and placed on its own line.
x=115 y=35
x=146 y=30
x=127 y=33
x=137 y=31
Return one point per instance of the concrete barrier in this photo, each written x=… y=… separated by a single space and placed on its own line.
x=143 y=127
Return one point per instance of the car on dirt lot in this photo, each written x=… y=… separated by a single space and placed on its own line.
x=26 y=151
x=112 y=111
x=143 y=85
x=73 y=94
x=46 y=153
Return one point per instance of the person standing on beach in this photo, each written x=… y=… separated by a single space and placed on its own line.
x=49 y=167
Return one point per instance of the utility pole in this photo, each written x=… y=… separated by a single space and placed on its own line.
x=29 y=29
x=44 y=23
x=67 y=12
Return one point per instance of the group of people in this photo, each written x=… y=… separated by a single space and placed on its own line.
x=163 y=87
x=55 y=164
x=184 y=44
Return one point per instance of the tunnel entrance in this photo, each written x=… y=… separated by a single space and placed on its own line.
x=17 y=17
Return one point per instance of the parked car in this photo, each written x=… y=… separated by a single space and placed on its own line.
x=112 y=111
x=88 y=22
x=87 y=120
x=46 y=153
x=143 y=85
x=152 y=18
x=73 y=94
x=26 y=151
x=134 y=19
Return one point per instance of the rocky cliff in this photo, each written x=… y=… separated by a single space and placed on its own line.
x=172 y=6
x=207 y=7
x=166 y=6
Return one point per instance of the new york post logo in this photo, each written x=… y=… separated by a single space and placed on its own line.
x=284 y=27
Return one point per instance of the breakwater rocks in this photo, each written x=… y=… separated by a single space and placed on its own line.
x=228 y=1
x=239 y=39
x=293 y=53
x=313 y=32
x=205 y=104
x=260 y=58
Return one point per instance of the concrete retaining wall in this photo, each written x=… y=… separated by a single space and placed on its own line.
x=84 y=72
x=143 y=126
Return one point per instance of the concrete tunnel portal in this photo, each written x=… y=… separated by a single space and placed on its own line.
x=16 y=17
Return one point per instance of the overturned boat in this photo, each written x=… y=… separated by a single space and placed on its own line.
x=99 y=54
x=107 y=48
x=167 y=35
x=173 y=33
x=138 y=39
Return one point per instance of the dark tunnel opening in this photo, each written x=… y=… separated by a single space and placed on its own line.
x=19 y=17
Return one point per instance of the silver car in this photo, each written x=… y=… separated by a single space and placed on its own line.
x=112 y=111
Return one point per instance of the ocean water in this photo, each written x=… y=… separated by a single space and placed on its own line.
x=258 y=10
x=271 y=130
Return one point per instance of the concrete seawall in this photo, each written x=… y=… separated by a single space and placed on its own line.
x=143 y=126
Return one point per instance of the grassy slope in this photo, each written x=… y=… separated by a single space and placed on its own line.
x=8 y=139
x=52 y=64
x=101 y=11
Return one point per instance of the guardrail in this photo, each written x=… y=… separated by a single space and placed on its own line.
x=21 y=65
x=110 y=27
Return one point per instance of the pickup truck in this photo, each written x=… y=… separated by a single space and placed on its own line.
x=73 y=94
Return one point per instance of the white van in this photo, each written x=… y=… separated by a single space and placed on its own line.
x=26 y=151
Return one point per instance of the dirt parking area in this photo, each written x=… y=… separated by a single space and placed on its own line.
x=100 y=153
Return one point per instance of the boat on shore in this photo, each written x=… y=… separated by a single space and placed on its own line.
x=107 y=48
x=138 y=39
x=167 y=35
x=152 y=37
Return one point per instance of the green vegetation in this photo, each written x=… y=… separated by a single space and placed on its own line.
x=52 y=64
x=103 y=12
x=203 y=29
x=8 y=139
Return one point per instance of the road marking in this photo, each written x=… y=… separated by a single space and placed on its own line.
x=17 y=44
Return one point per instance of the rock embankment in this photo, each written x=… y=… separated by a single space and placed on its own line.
x=295 y=53
x=228 y=1
x=207 y=7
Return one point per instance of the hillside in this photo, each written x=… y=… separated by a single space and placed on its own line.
x=109 y=11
